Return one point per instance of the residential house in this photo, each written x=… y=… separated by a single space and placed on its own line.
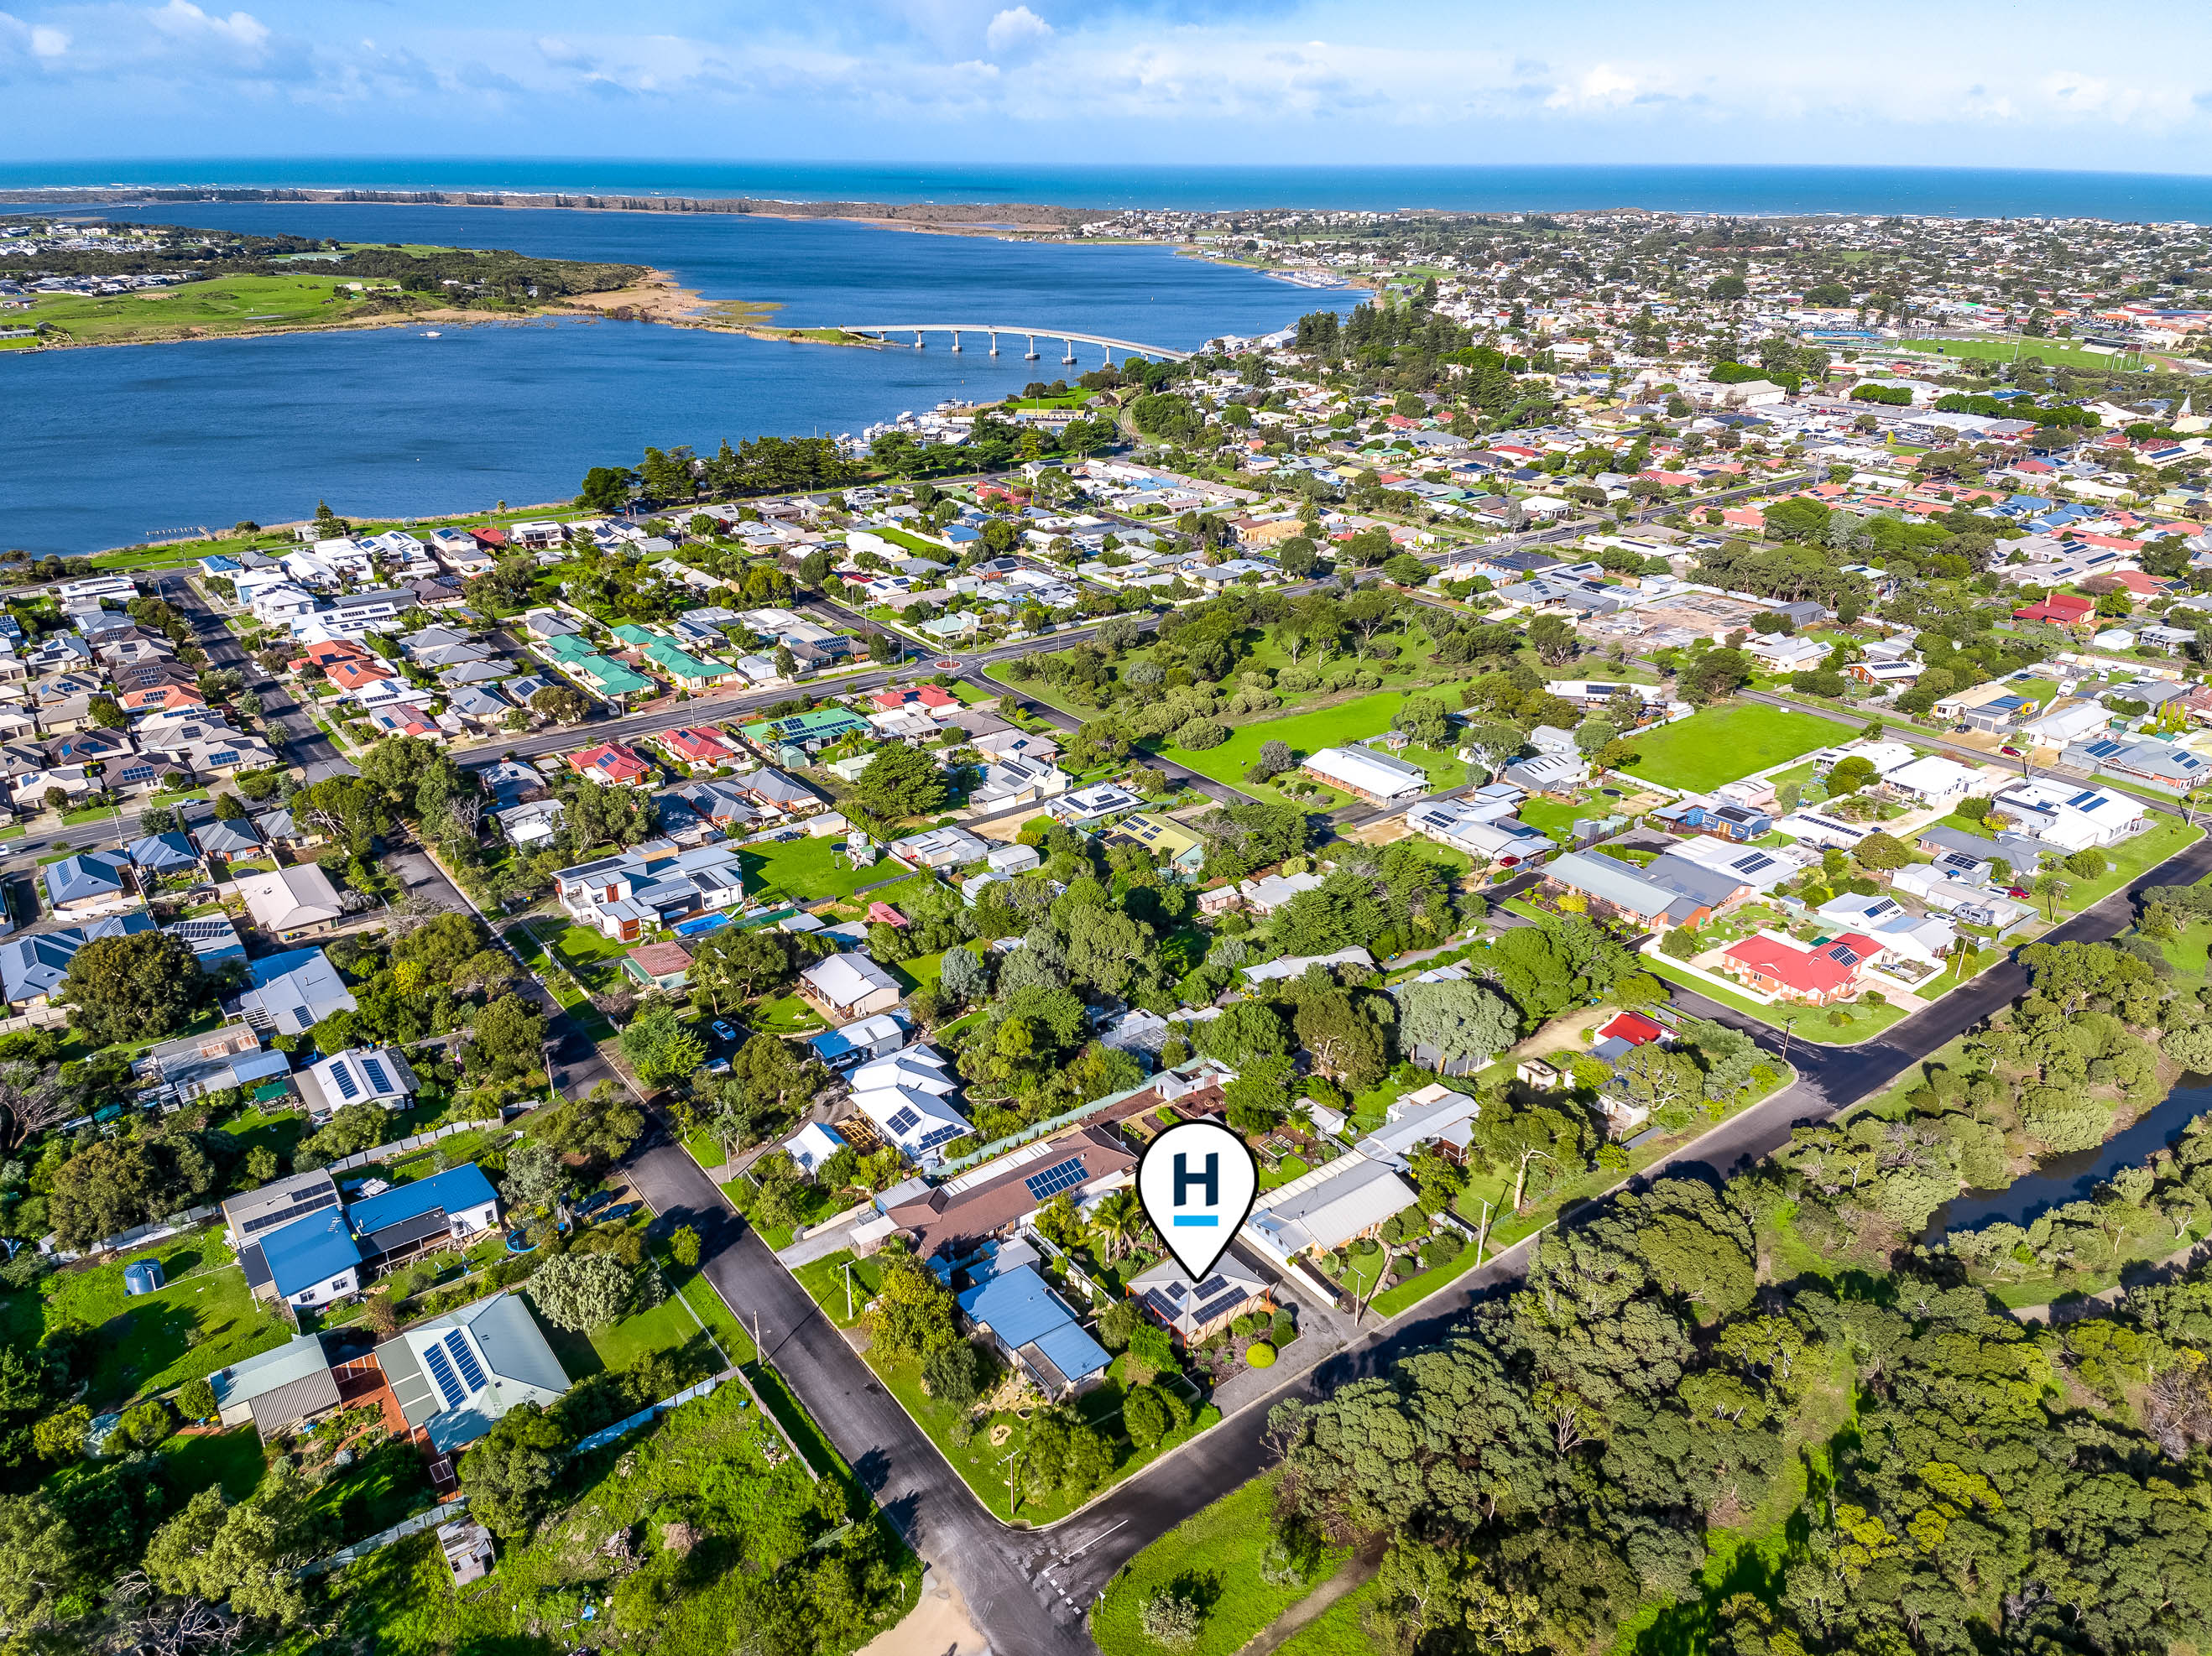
x=1895 y=930
x=163 y=856
x=2068 y=818
x=662 y=966
x=1090 y=809
x=1667 y=892
x=278 y=1390
x=957 y=1219
x=849 y=986
x=614 y=765
x=1336 y=1203
x=860 y=1042
x=231 y=838
x=216 y=1061
x=1819 y=974
x=944 y=847
x=1195 y=1312
x=373 y=1075
x=699 y=747
x=651 y=884
x=34 y=965
x=1379 y=779
x=2146 y=762
x=457 y=1376
x=1033 y=1329
x=1178 y=850
x=91 y=882
x=292 y=992
x=292 y=902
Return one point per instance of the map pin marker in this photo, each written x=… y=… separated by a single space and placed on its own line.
x=1198 y=1181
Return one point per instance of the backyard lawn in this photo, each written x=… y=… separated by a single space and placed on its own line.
x=202 y=1320
x=806 y=871
x=1722 y=744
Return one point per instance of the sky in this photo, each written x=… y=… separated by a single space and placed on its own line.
x=2121 y=85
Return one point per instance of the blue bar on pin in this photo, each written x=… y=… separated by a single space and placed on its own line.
x=1205 y=1219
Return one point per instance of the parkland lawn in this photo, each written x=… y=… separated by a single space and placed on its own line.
x=1723 y=744
x=809 y=871
x=1307 y=734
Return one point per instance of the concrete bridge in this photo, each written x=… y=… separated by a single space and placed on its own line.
x=884 y=331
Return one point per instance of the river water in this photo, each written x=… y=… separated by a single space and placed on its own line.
x=2059 y=1180
x=107 y=446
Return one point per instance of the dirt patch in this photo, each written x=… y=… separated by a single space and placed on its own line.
x=938 y=1625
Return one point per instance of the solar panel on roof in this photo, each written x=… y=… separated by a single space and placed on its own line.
x=905 y=1120
x=376 y=1078
x=1211 y=1286
x=1166 y=1311
x=937 y=1135
x=1758 y=864
x=347 y=1084
x=2081 y=799
x=1843 y=955
x=464 y=1360
x=1064 y=1175
x=442 y=1371
x=1214 y=1307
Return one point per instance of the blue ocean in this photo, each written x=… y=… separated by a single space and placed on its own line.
x=1980 y=192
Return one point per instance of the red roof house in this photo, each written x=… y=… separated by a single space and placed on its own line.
x=353 y=675
x=2066 y=608
x=612 y=763
x=327 y=655
x=162 y=697
x=1633 y=1027
x=1829 y=972
x=700 y=746
x=492 y=540
x=929 y=699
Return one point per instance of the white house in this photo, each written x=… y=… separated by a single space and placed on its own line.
x=849 y=986
x=1381 y=778
x=2070 y=817
x=1931 y=781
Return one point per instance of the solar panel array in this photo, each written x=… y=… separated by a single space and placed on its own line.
x=904 y=1121
x=2081 y=799
x=376 y=1078
x=465 y=1360
x=937 y=1135
x=442 y=1371
x=1065 y=1175
x=1844 y=955
x=343 y=1074
x=1758 y=864
x=1219 y=1303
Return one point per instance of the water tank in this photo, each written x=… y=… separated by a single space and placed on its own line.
x=143 y=1276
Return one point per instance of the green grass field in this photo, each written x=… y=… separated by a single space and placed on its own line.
x=220 y=305
x=203 y=1320
x=1215 y=1556
x=1339 y=1630
x=1305 y=734
x=1721 y=745
x=807 y=870
x=2059 y=353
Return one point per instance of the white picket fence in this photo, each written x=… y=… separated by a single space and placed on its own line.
x=402 y=1146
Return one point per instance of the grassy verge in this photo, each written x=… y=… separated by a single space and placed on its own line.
x=1214 y=1558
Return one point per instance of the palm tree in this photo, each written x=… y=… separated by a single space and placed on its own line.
x=1118 y=1218
x=2051 y=885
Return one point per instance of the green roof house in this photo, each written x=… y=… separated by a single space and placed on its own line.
x=568 y=648
x=684 y=669
x=608 y=678
x=630 y=632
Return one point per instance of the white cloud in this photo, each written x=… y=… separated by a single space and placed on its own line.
x=182 y=21
x=48 y=42
x=1018 y=30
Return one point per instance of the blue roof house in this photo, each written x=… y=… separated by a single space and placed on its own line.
x=32 y=968
x=161 y=855
x=453 y=1206
x=310 y=1262
x=1032 y=1326
x=90 y=884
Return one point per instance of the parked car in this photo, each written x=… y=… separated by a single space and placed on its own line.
x=2011 y=753
x=722 y=1029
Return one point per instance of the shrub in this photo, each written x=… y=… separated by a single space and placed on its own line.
x=145 y=1426
x=1260 y=1355
x=1282 y=1329
x=1200 y=734
x=1171 y=1618
x=196 y=1400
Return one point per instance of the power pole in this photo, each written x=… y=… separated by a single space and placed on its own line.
x=1482 y=1233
